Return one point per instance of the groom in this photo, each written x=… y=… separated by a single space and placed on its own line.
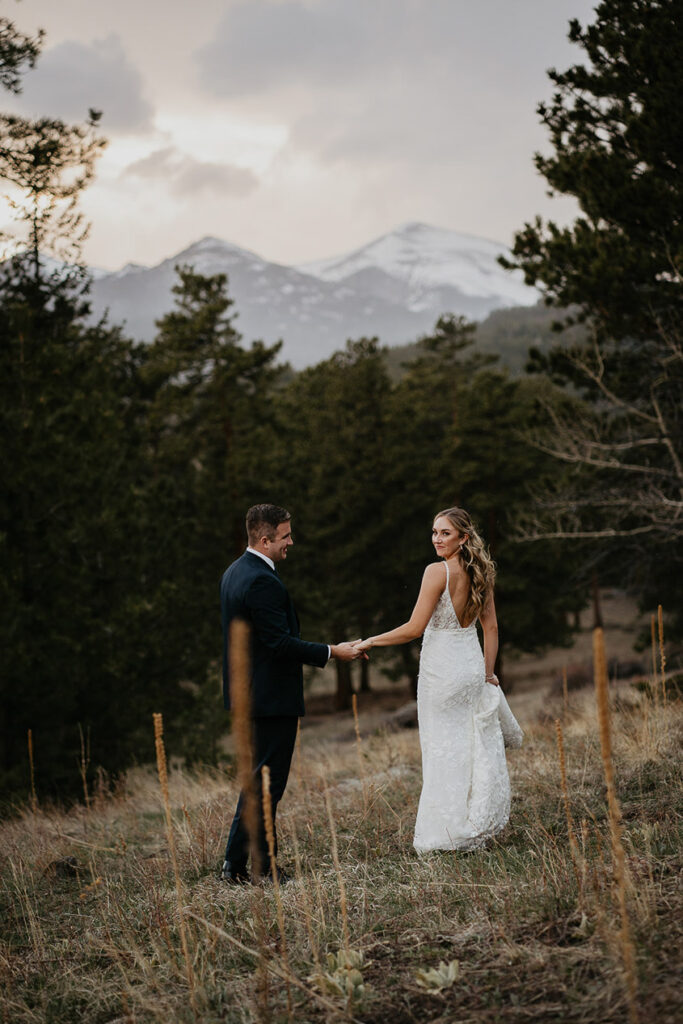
x=251 y=590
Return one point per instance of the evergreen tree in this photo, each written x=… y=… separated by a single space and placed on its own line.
x=616 y=127
x=369 y=466
x=495 y=472
x=424 y=419
x=208 y=421
x=17 y=53
x=68 y=458
x=67 y=520
x=50 y=163
x=334 y=454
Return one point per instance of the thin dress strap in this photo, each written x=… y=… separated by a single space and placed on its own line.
x=448 y=578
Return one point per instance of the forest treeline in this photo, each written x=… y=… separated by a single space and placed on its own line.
x=127 y=468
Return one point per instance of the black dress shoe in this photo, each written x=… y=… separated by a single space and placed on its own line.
x=234 y=875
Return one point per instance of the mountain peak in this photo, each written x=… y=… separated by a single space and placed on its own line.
x=425 y=258
x=412 y=227
x=211 y=243
x=394 y=286
x=212 y=255
x=211 y=240
x=418 y=230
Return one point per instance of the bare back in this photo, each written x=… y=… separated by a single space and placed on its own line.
x=459 y=585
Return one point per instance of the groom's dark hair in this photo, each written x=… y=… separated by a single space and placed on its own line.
x=263 y=521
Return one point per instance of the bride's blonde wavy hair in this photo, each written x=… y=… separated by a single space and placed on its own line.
x=478 y=564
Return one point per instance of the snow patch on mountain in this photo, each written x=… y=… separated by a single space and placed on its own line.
x=427 y=258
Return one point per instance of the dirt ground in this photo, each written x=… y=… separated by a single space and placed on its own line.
x=622 y=624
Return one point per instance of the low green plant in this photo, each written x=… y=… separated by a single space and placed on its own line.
x=436 y=979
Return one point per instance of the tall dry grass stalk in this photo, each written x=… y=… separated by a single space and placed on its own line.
x=270 y=837
x=34 y=927
x=298 y=760
x=662 y=656
x=573 y=845
x=163 y=782
x=655 y=680
x=307 y=907
x=618 y=857
x=84 y=764
x=338 y=870
x=34 y=798
x=359 y=747
x=240 y=703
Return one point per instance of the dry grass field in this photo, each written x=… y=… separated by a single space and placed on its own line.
x=98 y=927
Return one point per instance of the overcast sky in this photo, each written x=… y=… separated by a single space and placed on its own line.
x=301 y=128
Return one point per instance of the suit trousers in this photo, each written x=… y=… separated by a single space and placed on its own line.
x=273 y=742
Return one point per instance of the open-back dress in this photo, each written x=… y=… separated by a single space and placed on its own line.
x=465 y=724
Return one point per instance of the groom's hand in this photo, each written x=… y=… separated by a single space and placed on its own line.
x=346 y=652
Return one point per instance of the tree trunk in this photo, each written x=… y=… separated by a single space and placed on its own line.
x=492 y=538
x=364 y=676
x=505 y=686
x=410 y=670
x=597 y=611
x=342 y=698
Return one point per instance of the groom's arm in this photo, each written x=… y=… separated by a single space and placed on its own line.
x=266 y=601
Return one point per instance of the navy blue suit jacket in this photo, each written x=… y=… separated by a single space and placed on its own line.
x=252 y=591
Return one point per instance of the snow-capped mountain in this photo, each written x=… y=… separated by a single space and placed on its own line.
x=395 y=287
x=429 y=260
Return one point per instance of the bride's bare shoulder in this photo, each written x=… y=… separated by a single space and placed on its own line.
x=434 y=572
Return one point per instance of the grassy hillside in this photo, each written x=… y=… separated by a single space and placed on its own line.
x=507 y=333
x=528 y=929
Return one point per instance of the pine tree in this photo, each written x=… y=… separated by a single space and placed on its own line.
x=208 y=421
x=616 y=128
x=17 y=53
x=334 y=455
x=67 y=521
x=67 y=462
x=456 y=441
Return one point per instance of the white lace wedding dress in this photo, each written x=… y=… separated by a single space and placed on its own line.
x=465 y=724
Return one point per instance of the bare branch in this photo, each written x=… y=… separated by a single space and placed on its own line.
x=666 y=439
x=584 y=534
x=585 y=459
x=597 y=378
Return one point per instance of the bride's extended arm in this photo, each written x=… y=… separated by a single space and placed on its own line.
x=489 y=625
x=430 y=592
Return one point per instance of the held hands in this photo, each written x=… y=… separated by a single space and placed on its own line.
x=362 y=645
x=348 y=651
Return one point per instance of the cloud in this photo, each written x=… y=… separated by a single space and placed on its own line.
x=264 y=44
x=261 y=44
x=389 y=81
x=72 y=77
x=186 y=176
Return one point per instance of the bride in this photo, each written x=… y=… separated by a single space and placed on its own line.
x=464 y=719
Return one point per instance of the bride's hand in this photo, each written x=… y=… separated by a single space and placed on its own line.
x=362 y=645
x=493 y=679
